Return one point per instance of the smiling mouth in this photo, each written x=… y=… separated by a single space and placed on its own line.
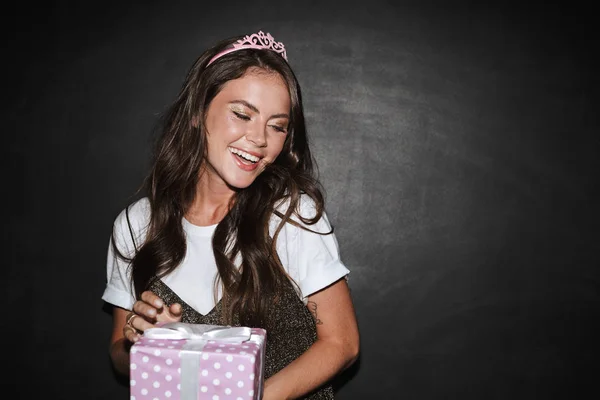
x=243 y=156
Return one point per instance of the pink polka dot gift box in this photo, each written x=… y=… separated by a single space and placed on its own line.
x=178 y=361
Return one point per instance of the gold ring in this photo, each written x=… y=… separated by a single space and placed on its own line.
x=130 y=318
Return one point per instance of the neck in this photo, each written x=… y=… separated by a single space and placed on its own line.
x=211 y=202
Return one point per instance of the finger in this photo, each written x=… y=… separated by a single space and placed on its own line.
x=139 y=324
x=150 y=298
x=144 y=309
x=130 y=334
x=175 y=309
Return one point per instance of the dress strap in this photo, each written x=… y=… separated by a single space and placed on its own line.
x=130 y=229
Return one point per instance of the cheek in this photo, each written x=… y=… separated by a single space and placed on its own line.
x=225 y=129
x=277 y=146
x=231 y=129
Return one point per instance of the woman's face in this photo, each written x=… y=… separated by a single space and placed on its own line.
x=246 y=124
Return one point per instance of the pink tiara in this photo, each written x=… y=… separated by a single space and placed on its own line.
x=258 y=40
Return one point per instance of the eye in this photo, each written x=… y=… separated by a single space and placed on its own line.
x=278 y=128
x=241 y=116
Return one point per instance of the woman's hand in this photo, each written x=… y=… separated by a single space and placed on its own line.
x=147 y=311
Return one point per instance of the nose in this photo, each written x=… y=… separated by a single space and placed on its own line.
x=257 y=135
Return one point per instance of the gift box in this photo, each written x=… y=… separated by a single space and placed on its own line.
x=192 y=361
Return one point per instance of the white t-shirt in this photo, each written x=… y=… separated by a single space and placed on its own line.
x=311 y=260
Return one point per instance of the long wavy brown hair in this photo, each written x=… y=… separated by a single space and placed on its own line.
x=179 y=154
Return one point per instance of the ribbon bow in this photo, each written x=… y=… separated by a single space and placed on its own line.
x=179 y=330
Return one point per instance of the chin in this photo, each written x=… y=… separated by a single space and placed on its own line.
x=240 y=183
x=241 y=180
x=236 y=186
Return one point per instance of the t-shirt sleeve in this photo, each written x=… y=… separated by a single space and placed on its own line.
x=319 y=263
x=118 y=272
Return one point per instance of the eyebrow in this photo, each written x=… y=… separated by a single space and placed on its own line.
x=253 y=108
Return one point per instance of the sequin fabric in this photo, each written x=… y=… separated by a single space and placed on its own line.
x=291 y=330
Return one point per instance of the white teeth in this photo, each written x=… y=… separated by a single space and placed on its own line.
x=243 y=154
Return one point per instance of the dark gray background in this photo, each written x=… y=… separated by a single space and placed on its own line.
x=457 y=143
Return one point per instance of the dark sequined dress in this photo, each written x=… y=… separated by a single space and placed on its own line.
x=290 y=329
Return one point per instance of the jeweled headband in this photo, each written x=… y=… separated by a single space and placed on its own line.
x=258 y=40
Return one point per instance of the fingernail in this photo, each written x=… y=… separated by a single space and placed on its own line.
x=151 y=313
x=158 y=303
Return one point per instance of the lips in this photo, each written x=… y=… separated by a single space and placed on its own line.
x=252 y=157
x=244 y=160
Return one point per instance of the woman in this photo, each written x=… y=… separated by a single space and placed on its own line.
x=232 y=230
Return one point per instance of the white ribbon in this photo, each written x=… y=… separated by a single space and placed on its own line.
x=197 y=335
x=180 y=330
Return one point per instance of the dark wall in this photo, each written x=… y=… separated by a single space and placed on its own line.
x=458 y=146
